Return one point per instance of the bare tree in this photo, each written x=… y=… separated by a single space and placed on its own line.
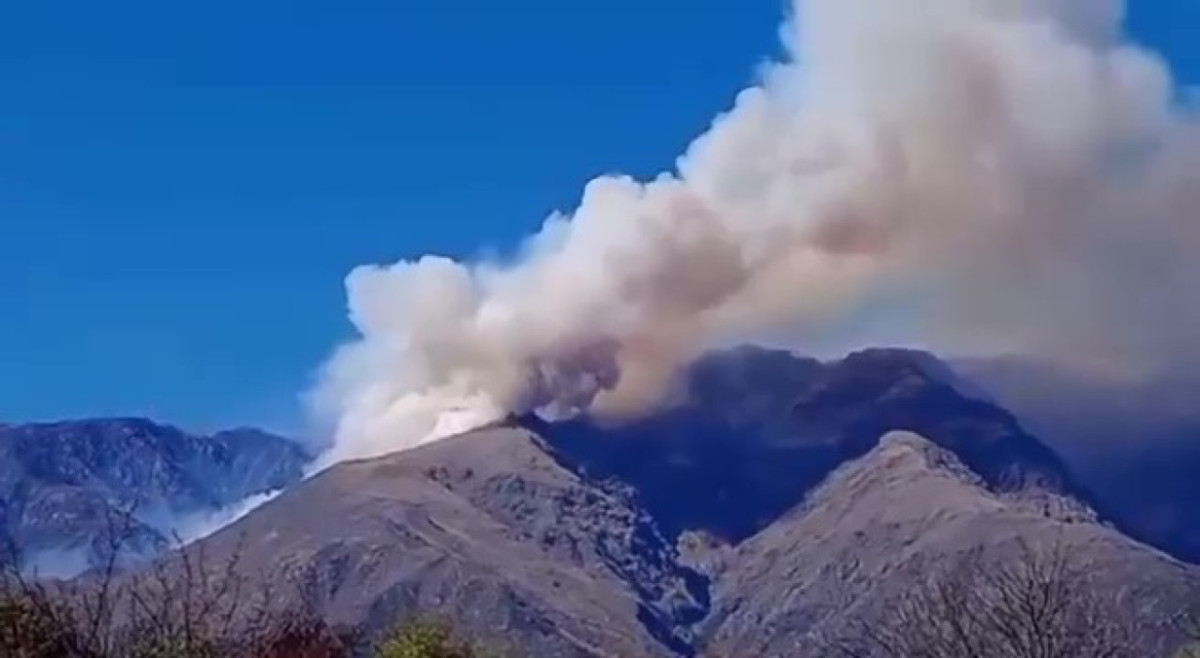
x=180 y=606
x=51 y=618
x=1040 y=603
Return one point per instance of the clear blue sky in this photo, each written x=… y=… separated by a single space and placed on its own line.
x=183 y=186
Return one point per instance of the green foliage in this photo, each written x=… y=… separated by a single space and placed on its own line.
x=425 y=639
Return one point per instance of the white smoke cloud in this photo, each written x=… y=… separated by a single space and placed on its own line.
x=1011 y=167
x=194 y=527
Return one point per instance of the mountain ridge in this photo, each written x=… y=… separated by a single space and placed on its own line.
x=748 y=512
x=487 y=516
x=731 y=458
x=496 y=515
x=67 y=487
x=880 y=523
x=659 y=476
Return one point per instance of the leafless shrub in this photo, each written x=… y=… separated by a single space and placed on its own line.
x=1042 y=603
x=181 y=606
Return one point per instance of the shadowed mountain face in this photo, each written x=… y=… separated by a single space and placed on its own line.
x=761 y=428
x=65 y=486
x=1135 y=444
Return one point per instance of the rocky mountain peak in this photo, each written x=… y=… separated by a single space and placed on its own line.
x=912 y=452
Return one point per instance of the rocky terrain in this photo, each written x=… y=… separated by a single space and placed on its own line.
x=880 y=524
x=779 y=500
x=488 y=528
x=746 y=521
x=498 y=531
x=66 y=487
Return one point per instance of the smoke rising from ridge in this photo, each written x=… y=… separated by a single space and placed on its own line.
x=1011 y=169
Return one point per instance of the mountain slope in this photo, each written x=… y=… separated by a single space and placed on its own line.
x=64 y=486
x=488 y=528
x=905 y=510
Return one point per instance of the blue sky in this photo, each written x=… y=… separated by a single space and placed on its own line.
x=183 y=186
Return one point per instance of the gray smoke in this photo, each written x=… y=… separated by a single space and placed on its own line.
x=193 y=527
x=1011 y=174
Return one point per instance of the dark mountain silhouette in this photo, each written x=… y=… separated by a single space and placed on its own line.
x=760 y=428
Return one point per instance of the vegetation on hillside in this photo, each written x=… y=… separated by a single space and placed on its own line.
x=184 y=607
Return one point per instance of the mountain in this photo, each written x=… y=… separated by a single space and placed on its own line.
x=762 y=508
x=67 y=487
x=881 y=523
x=1134 y=443
x=491 y=529
x=500 y=531
x=757 y=429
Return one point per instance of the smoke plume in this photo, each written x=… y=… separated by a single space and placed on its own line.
x=1011 y=174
